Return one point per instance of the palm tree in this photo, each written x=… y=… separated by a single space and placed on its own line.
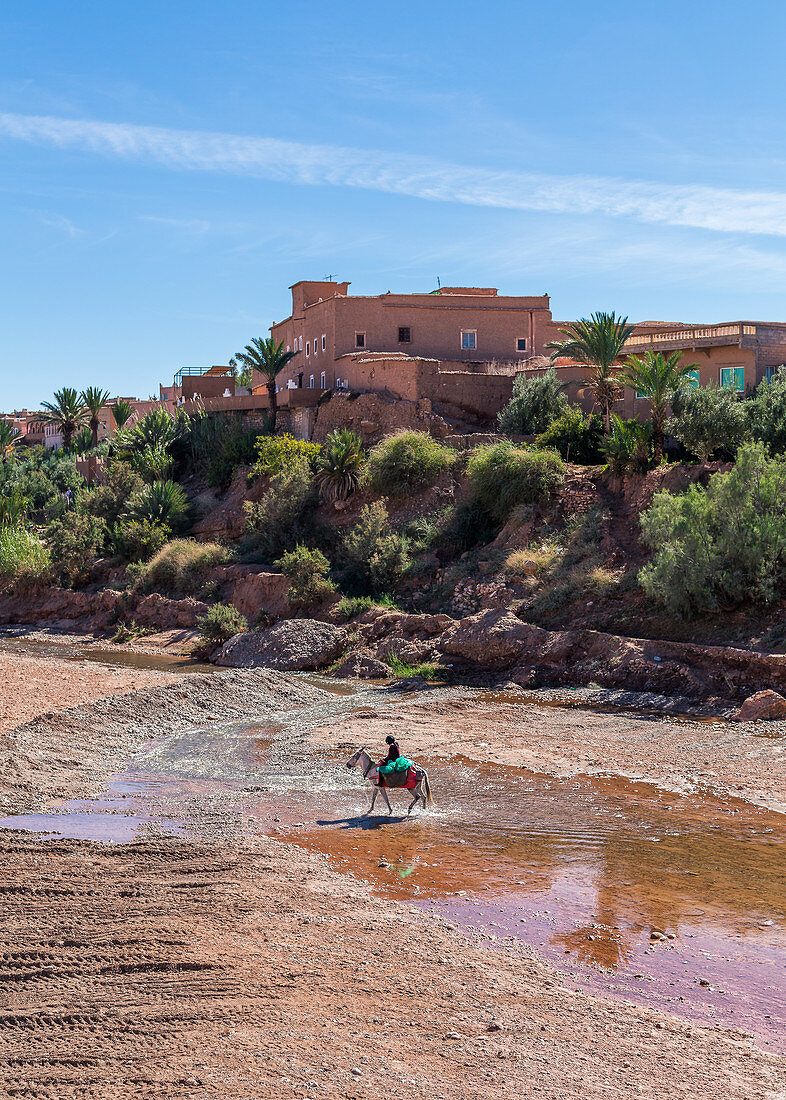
x=268 y=358
x=122 y=411
x=596 y=341
x=67 y=412
x=658 y=378
x=94 y=400
x=8 y=439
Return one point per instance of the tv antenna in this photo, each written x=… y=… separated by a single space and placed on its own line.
x=329 y=278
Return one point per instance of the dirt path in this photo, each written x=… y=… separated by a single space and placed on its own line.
x=748 y=760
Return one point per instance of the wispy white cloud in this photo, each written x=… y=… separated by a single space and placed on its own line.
x=688 y=205
x=62 y=224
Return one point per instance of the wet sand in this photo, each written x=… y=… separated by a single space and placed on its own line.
x=747 y=760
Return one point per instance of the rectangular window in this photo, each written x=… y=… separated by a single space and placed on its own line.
x=360 y=339
x=311 y=382
x=521 y=343
x=324 y=341
x=733 y=377
x=692 y=378
x=469 y=339
x=300 y=343
x=288 y=347
x=308 y=346
x=405 y=335
x=322 y=385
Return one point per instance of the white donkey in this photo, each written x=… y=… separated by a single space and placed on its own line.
x=363 y=760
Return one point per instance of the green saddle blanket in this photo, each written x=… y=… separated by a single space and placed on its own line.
x=400 y=765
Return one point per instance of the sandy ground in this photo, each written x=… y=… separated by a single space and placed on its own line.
x=169 y=968
x=165 y=969
x=32 y=685
x=747 y=760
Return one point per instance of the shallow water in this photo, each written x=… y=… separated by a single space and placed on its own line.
x=69 y=650
x=583 y=870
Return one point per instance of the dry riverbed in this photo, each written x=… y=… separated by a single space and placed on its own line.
x=228 y=963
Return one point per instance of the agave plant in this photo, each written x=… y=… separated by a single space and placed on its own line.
x=628 y=446
x=338 y=465
x=158 y=429
x=122 y=411
x=8 y=439
x=163 y=502
x=153 y=464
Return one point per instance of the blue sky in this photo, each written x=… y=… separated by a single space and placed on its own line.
x=167 y=170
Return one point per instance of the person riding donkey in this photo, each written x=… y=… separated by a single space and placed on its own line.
x=393 y=769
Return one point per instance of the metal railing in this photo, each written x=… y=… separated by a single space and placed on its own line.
x=691 y=335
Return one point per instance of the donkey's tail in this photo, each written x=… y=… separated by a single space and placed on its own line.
x=427 y=789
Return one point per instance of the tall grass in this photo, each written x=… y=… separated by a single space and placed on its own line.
x=23 y=557
x=179 y=567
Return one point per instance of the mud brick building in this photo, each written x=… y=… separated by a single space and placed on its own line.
x=458 y=347
x=738 y=354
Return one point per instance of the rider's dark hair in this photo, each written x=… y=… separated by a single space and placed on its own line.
x=390 y=739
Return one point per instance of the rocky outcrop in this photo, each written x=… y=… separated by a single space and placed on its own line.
x=161 y=613
x=359 y=666
x=256 y=593
x=224 y=518
x=768 y=705
x=292 y=645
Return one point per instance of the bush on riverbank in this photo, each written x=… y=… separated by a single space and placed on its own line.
x=719 y=547
x=23 y=557
x=308 y=574
x=179 y=567
x=219 y=624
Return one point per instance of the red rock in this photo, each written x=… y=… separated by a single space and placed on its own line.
x=767 y=705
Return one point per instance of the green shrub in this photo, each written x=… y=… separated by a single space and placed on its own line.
x=536 y=403
x=576 y=437
x=180 y=566
x=629 y=446
x=156 y=430
x=137 y=539
x=339 y=464
x=283 y=517
x=109 y=500
x=277 y=454
x=308 y=573
x=220 y=624
x=503 y=476
x=766 y=412
x=349 y=607
x=23 y=557
x=407 y=460
x=723 y=546
x=220 y=443
x=153 y=464
x=163 y=502
x=709 y=421
x=74 y=541
x=376 y=557
x=424 y=669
